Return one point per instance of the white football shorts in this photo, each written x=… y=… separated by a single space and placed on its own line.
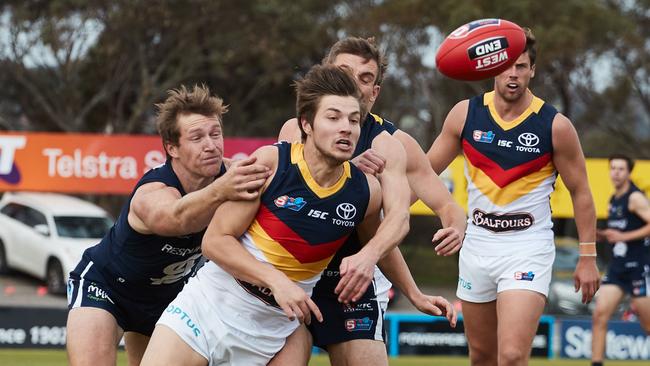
x=224 y=323
x=481 y=278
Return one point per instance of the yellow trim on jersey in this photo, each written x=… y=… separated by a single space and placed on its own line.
x=322 y=192
x=534 y=107
x=281 y=259
x=377 y=118
x=513 y=191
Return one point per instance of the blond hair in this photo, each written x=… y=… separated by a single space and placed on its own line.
x=182 y=101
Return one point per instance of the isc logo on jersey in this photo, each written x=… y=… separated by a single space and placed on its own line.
x=318 y=214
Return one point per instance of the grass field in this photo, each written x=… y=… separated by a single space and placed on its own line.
x=13 y=357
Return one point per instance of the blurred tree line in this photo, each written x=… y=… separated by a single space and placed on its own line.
x=99 y=66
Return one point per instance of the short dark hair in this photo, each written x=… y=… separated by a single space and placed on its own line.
x=322 y=80
x=365 y=48
x=182 y=101
x=531 y=47
x=628 y=160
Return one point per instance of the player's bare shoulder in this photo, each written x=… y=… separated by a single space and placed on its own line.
x=563 y=132
x=639 y=203
x=561 y=121
x=290 y=131
x=455 y=120
x=268 y=156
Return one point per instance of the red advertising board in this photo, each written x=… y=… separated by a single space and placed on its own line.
x=88 y=163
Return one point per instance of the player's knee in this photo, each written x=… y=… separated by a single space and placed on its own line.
x=480 y=356
x=512 y=355
x=600 y=317
x=81 y=352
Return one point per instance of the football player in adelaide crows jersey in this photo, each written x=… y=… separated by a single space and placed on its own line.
x=346 y=342
x=514 y=145
x=123 y=284
x=628 y=232
x=267 y=255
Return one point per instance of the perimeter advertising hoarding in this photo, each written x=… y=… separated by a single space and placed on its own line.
x=408 y=334
x=22 y=327
x=88 y=163
x=625 y=340
x=412 y=334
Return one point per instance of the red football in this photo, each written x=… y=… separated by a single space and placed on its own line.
x=480 y=49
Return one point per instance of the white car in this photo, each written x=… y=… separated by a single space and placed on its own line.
x=45 y=234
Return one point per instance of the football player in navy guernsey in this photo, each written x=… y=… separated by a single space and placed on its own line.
x=345 y=342
x=266 y=255
x=514 y=145
x=628 y=232
x=123 y=284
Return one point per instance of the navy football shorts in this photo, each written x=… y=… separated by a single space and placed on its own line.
x=88 y=289
x=632 y=277
x=345 y=322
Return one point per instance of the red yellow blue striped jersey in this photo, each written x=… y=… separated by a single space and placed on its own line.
x=300 y=225
x=510 y=174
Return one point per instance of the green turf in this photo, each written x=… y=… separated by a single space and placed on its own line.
x=30 y=357
x=34 y=357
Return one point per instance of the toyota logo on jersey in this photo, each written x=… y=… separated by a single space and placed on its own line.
x=528 y=139
x=346 y=211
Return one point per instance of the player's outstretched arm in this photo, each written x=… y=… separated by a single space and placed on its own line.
x=396 y=195
x=221 y=245
x=159 y=209
x=570 y=163
x=429 y=188
x=396 y=270
x=448 y=145
x=359 y=269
